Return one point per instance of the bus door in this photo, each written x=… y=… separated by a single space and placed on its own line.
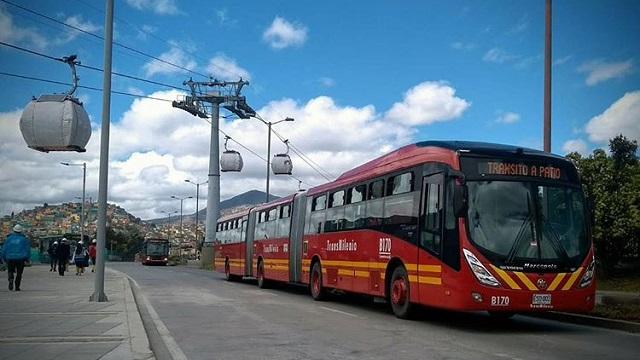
x=430 y=241
x=248 y=247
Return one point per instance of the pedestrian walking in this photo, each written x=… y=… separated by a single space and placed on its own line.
x=52 y=255
x=16 y=252
x=62 y=253
x=80 y=258
x=92 y=254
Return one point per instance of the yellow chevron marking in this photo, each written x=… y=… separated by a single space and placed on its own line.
x=572 y=279
x=506 y=278
x=556 y=281
x=525 y=280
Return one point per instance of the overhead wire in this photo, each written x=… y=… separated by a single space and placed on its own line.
x=297 y=151
x=33 y=52
x=102 y=38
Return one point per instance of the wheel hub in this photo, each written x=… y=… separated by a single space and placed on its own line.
x=399 y=291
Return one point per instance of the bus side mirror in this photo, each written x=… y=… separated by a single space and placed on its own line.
x=460 y=200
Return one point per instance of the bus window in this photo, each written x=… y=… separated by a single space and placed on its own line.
x=354 y=215
x=430 y=234
x=319 y=203
x=273 y=214
x=376 y=190
x=285 y=211
x=401 y=215
x=400 y=184
x=336 y=199
x=335 y=216
x=356 y=194
x=263 y=216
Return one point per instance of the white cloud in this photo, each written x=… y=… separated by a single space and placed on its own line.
x=521 y=25
x=600 y=70
x=499 y=56
x=224 y=20
x=426 y=103
x=161 y=7
x=78 y=22
x=508 y=118
x=562 y=60
x=458 y=45
x=282 y=34
x=223 y=67
x=327 y=82
x=14 y=34
x=575 y=145
x=620 y=118
x=154 y=147
x=175 y=56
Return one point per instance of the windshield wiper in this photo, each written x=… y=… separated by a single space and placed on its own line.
x=520 y=235
x=556 y=244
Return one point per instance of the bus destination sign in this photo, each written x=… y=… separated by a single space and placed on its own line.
x=519 y=169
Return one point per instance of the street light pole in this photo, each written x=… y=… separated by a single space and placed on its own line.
x=181 y=231
x=84 y=182
x=269 y=124
x=197 y=184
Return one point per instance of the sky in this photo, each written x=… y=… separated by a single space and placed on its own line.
x=359 y=78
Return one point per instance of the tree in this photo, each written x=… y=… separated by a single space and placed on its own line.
x=612 y=185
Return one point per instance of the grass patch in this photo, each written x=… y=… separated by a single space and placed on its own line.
x=629 y=312
x=630 y=283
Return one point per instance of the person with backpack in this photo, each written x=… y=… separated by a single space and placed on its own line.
x=52 y=255
x=80 y=258
x=16 y=252
x=62 y=253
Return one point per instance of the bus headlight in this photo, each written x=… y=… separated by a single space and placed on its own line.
x=165 y=259
x=482 y=274
x=587 y=278
x=148 y=257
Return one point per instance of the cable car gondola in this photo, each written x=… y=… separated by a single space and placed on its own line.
x=57 y=122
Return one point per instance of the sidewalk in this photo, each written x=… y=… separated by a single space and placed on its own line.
x=52 y=318
x=617 y=297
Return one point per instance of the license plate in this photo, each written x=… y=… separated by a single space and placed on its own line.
x=541 y=299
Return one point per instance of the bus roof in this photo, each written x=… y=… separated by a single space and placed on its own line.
x=421 y=152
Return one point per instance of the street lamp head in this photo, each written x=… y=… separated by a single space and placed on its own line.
x=65 y=163
x=187 y=180
x=289 y=119
x=173 y=197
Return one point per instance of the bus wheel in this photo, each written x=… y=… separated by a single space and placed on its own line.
x=501 y=315
x=262 y=282
x=318 y=293
x=399 y=293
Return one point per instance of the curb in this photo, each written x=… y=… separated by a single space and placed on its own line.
x=623 y=325
x=162 y=343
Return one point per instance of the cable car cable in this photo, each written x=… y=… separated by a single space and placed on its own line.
x=101 y=38
x=33 y=52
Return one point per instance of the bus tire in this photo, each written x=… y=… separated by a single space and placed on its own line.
x=318 y=292
x=399 y=293
x=262 y=282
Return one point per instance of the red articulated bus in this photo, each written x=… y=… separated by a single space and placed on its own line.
x=450 y=224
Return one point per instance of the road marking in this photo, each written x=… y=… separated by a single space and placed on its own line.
x=169 y=341
x=339 y=311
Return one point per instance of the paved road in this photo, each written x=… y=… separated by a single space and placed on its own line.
x=210 y=318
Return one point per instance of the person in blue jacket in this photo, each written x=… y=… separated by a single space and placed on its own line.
x=16 y=252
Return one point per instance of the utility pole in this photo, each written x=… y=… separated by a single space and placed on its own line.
x=101 y=225
x=197 y=184
x=205 y=103
x=269 y=124
x=181 y=231
x=547 y=79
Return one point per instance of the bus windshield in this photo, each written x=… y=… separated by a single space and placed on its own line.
x=529 y=226
x=157 y=248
